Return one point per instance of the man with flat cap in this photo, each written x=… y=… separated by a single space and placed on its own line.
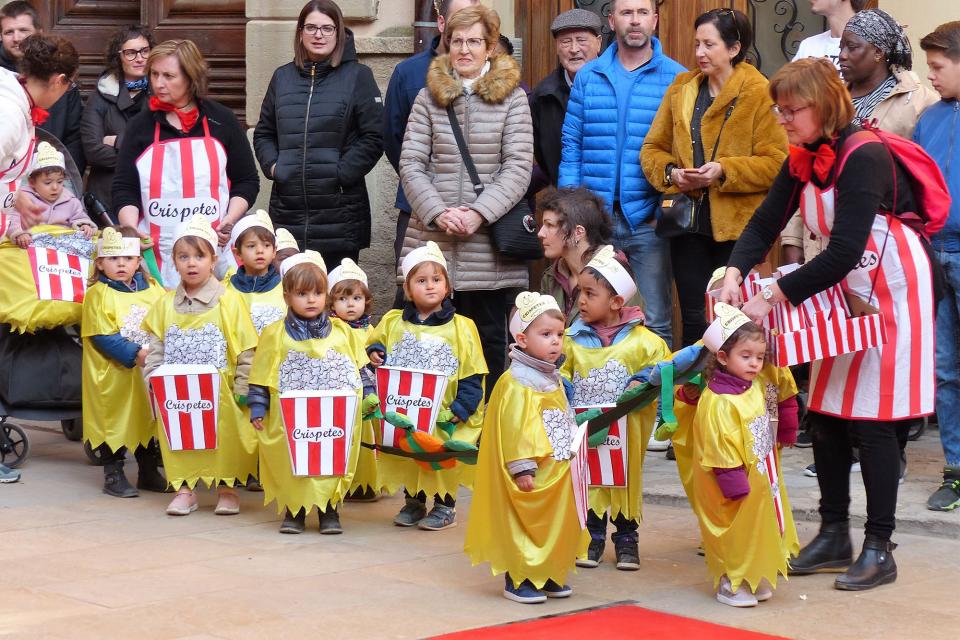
x=577 y=36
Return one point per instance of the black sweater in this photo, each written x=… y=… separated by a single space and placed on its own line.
x=224 y=126
x=864 y=187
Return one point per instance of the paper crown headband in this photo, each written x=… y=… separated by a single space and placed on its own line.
x=112 y=244
x=530 y=306
x=728 y=320
x=605 y=262
x=258 y=219
x=346 y=270
x=199 y=227
x=430 y=252
x=285 y=240
x=48 y=158
x=307 y=257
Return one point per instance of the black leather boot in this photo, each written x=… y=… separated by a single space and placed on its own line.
x=149 y=477
x=874 y=567
x=831 y=551
x=115 y=483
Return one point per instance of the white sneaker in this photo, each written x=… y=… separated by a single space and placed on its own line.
x=764 y=591
x=657 y=445
x=741 y=598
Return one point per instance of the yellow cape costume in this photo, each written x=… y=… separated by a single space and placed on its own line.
x=741 y=538
x=215 y=337
x=116 y=408
x=454 y=348
x=599 y=375
x=322 y=364
x=533 y=535
x=265 y=307
x=367 y=475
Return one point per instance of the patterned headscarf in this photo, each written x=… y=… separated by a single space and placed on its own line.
x=880 y=29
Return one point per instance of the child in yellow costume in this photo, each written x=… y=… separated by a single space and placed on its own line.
x=202 y=322
x=427 y=334
x=258 y=279
x=523 y=517
x=605 y=348
x=350 y=300
x=286 y=246
x=741 y=500
x=116 y=410
x=308 y=351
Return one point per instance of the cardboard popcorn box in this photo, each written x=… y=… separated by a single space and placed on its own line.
x=319 y=427
x=411 y=392
x=829 y=335
x=712 y=295
x=578 y=473
x=607 y=463
x=187 y=397
x=58 y=275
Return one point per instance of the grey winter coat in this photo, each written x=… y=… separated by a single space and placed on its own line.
x=495 y=118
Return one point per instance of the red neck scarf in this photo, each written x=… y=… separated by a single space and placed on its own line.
x=37 y=115
x=805 y=163
x=187 y=118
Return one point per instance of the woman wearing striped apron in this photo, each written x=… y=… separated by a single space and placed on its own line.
x=186 y=155
x=844 y=192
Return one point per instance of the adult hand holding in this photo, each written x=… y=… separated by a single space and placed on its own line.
x=704 y=176
x=29 y=210
x=730 y=289
x=470 y=220
x=681 y=179
x=450 y=221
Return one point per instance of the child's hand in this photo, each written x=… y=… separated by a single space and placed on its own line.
x=524 y=483
x=691 y=392
x=23 y=240
x=376 y=358
x=632 y=385
x=142 y=357
x=88 y=230
x=257 y=424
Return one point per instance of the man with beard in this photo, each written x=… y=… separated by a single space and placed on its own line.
x=577 y=35
x=612 y=105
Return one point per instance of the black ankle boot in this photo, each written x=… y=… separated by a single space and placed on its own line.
x=874 y=567
x=829 y=552
x=115 y=483
x=149 y=477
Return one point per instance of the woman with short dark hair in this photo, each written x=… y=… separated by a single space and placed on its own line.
x=319 y=135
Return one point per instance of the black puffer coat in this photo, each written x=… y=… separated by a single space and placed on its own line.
x=319 y=134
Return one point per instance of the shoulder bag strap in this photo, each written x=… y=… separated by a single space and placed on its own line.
x=464 y=151
x=722 y=125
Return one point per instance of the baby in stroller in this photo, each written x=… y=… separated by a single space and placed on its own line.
x=61 y=206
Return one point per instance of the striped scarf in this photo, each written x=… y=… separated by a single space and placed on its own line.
x=866 y=104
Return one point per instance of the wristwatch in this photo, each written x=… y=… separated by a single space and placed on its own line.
x=767 y=294
x=668 y=174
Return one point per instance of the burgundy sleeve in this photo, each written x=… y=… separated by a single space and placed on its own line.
x=789 y=412
x=733 y=482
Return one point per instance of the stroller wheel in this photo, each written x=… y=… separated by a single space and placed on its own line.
x=14 y=445
x=72 y=429
x=917 y=429
x=93 y=455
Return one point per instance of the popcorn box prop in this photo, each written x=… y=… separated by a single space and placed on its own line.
x=829 y=335
x=579 y=472
x=607 y=463
x=319 y=427
x=58 y=275
x=773 y=477
x=411 y=392
x=746 y=292
x=187 y=397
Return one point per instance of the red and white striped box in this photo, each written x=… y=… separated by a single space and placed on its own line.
x=579 y=472
x=4 y=223
x=713 y=294
x=607 y=463
x=58 y=275
x=319 y=427
x=829 y=335
x=411 y=392
x=187 y=397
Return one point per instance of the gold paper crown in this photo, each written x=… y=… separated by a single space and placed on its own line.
x=48 y=157
x=728 y=320
x=285 y=240
x=198 y=226
x=605 y=261
x=113 y=244
x=530 y=306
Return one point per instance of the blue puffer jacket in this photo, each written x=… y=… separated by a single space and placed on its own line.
x=590 y=132
x=937 y=132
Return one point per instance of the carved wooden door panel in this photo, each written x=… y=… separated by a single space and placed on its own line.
x=217 y=26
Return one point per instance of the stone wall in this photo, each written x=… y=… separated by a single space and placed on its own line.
x=384 y=37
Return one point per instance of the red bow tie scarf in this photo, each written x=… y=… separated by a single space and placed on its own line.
x=187 y=118
x=804 y=163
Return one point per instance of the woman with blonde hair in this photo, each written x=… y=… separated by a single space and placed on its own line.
x=187 y=154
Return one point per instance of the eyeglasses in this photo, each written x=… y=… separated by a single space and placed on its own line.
x=733 y=18
x=786 y=114
x=131 y=54
x=325 y=29
x=474 y=44
x=567 y=43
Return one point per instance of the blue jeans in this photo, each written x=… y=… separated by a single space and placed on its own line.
x=649 y=258
x=948 y=358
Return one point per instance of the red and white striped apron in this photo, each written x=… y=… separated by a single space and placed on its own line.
x=10 y=176
x=180 y=177
x=894 y=381
x=8 y=193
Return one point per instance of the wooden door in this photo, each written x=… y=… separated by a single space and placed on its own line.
x=532 y=19
x=217 y=26
x=677 y=33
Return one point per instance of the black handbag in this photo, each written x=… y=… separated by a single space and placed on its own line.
x=515 y=234
x=679 y=212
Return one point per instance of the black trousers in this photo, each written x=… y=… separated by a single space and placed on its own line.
x=694 y=258
x=833 y=440
x=489 y=310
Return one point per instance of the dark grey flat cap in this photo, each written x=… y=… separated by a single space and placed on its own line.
x=576 y=19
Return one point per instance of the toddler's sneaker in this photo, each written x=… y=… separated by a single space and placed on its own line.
x=628 y=556
x=8 y=475
x=526 y=593
x=412 y=512
x=764 y=591
x=740 y=598
x=554 y=590
x=440 y=517
x=183 y=504
x=228 y=503
x=293 y=523
x=594 y=555
x=330 y=522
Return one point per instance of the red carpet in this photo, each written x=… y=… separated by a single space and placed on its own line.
x=627 y=622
